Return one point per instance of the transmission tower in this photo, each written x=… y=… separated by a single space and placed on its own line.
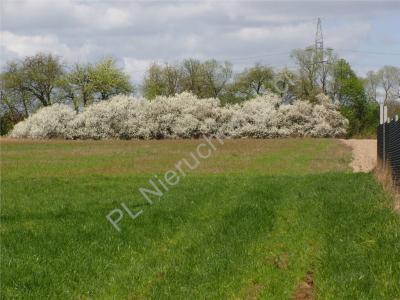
x=319 y=42
x=320 y=61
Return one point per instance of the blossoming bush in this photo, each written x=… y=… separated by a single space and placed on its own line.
x=48 y=122
x=101 y=120
x=186 y=116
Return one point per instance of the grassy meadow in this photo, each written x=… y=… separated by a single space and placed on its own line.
x=258 y=219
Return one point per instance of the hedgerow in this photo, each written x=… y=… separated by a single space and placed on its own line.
x=185 y=116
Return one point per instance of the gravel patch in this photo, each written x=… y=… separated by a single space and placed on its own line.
x=364 y=154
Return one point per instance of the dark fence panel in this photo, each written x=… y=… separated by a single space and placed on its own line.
x=389 y=147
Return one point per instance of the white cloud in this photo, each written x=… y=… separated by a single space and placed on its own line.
x=114 y=17
x=48 y=14
x=24 y=45
x=347 y=36
x=136 y=68
x=139 y=32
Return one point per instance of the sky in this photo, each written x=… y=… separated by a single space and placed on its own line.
x=137 y=33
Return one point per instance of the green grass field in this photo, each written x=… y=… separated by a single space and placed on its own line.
x=256 y=220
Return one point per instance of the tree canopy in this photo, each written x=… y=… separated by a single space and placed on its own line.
x=43 y=79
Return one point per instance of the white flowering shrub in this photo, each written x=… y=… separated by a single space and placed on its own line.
x=186 y=116
x=101 y=120
x=48 y=122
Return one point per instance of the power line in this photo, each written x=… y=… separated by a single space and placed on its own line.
x=369 y=52
x=257 y=56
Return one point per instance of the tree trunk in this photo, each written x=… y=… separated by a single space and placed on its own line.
x=25 y=107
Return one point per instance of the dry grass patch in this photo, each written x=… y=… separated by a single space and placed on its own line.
x=305 y=289
x=49 y=158
x=384 y=176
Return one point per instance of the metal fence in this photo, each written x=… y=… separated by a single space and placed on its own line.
x=389 y=147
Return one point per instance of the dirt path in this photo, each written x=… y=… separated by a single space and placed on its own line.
x=364 y=154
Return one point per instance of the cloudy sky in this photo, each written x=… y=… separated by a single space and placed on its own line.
x=137 y=33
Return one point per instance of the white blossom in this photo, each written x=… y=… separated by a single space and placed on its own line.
x=48 y=122
x=185 y=116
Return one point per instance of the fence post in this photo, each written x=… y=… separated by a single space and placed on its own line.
x=384 y=122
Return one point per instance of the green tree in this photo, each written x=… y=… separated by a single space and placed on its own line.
x=349 y=91
x=315 y=70
x=389 y=80
x=108 y=80
x=384 y=86
x=162 y=80
x=37 y=77
x=215 y=78
x=371 y=85
x=13 y=108
x=204 y=79
x=8 y=118
x=192 y=76
x=308 y=73
x=13 y=95
x=87 y=83
x=251 y=82
x=172 y=79
x=79 y=86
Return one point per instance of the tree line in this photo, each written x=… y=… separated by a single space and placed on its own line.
x=43 y=79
